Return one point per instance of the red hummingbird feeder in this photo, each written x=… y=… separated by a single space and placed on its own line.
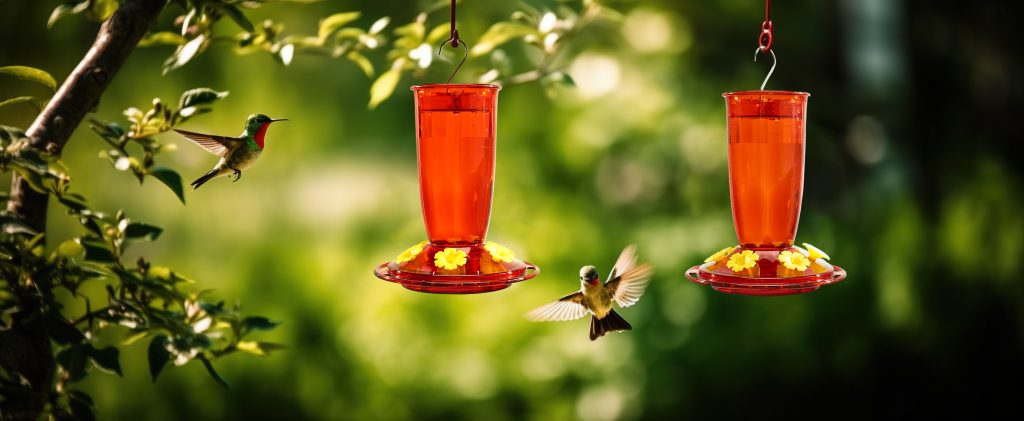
x=455 y=146
x=767 y=133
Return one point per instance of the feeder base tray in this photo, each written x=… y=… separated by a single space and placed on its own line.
x=480 y=273
x=768 y=276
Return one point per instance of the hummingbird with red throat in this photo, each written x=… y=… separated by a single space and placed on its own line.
x=236 y=153
x=625 y=285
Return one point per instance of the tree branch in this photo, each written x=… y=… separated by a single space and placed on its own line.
x=26 y=347
x=79 y=94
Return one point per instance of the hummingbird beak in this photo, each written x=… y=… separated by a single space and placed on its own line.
x=278 y=119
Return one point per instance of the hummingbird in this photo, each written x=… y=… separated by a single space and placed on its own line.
x=625 y=285
x=236 y=153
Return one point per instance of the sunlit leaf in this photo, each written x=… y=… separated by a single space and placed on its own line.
x=21 y=100
x=258 y=348
x=379 y=25
x=439 y=33
x=162 y=38
x=334 y=22
x=498 y=34
x=360 y=60
x=30 y=74
x=70 y=248
x=65 y=9
x=171 y=179
x=102 y=9
x=384 y=85
x=199 y=96
x=185 y=53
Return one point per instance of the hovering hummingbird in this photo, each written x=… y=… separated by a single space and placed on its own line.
x=236 y=153
x=625 y=285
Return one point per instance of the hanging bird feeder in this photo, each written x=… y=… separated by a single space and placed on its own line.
x=767 y=133
x=455 y=146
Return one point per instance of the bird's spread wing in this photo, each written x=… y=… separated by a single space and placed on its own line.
x=628 y=281
x=217 y=145
x=569 y=307
x=627 y=260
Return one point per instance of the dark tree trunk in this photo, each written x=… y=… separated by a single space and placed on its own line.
x=26 y=348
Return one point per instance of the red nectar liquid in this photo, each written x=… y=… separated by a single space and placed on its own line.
x=455 y=143
x=766 y=165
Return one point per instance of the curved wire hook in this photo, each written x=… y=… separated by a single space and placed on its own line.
x=770 y=71
x=455 y=43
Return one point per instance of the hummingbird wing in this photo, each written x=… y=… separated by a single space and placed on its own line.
x=569 y=307
x=627 y=260
x=217 y=145
x=628 y=281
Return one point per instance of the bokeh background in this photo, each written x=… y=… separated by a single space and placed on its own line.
x=912 y=184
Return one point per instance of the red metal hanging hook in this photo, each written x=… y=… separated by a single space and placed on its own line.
x=453 y=40
x=764 y=40
x=455 y=32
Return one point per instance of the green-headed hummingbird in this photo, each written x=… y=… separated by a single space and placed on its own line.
x=625 y=285
x=236 y=153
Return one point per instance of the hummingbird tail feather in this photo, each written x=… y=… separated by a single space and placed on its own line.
x=612 y=322
x=206 y=177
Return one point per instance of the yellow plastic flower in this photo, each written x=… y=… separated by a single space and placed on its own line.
x=794 y=261
x=411 y=252
x=742 y=261
x=499 y=253
x=718 y=256
x=815 y=252
x=449 y=258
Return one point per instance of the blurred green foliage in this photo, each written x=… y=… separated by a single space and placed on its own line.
x=911 y=185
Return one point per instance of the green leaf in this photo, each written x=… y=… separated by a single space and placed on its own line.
x=73 y=360
x=258 y=348
x=439 y=33
x=10 y=134
x=20 y=100
x=171 y=179
x=213 y=373
x=81 y=406
x=70 y=248
x=162 y=38
x=361 y=61
x=139 y=230
x=103 y=9
x=69 y=8
x=385 y=85
x=185 y=53
x=158 y=355
x=97 y=250
x=30 y=74
x=332 y=23
x=237 y=16
x=199 y=96
x=252 y=323
x=498 y=34
x=61 y=331
x=107 y=359
x=32 y=177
